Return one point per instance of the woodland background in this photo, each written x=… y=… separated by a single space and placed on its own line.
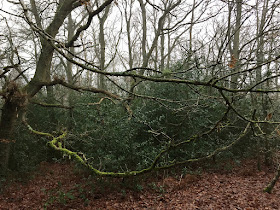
x=134 y=86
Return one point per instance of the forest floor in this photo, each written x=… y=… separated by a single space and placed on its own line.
x=64 y=186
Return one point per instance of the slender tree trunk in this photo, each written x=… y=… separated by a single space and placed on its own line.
x=102 y=43
x=191 y=36
x=162 y=46
x=144 y=31
x=69 y=72
x=128 y=16
x=262 y=101
x=236 y=42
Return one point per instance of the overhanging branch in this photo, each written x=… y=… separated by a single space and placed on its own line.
x=85 y=27
x=60 y=48
x=79 y=88
x=57 y=144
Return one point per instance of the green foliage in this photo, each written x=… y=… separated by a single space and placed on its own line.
x=29 y=149
x=180 y=115
x=156 y=187
x=112 y=140
x=166 y=72
x=107 y=136
x=139 y=187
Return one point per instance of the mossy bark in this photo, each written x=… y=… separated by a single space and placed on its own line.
x=13 y=97
x=7 y=125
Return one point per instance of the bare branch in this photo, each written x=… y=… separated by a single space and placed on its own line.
x=85 y=27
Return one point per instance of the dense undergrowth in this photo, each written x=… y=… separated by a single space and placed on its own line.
x=115 y=139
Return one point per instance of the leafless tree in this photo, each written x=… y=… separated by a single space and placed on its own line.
x=215 y=49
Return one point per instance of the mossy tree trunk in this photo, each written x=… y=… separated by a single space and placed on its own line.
x=7 y=124
x=14 y=99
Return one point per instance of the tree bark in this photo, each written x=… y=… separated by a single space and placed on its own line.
x=236 y=42
x=14 y=100
x=44 y=63
x=102 y=43
x=69 y=72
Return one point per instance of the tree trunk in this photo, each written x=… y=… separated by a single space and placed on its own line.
x=13 y=101
x=236 y=42
x=69 y=72
x=102 y=43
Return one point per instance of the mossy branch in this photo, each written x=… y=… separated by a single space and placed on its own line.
x=38 y=132
x=56 y=144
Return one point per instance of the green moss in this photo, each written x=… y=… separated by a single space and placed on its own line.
x=56 y=143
